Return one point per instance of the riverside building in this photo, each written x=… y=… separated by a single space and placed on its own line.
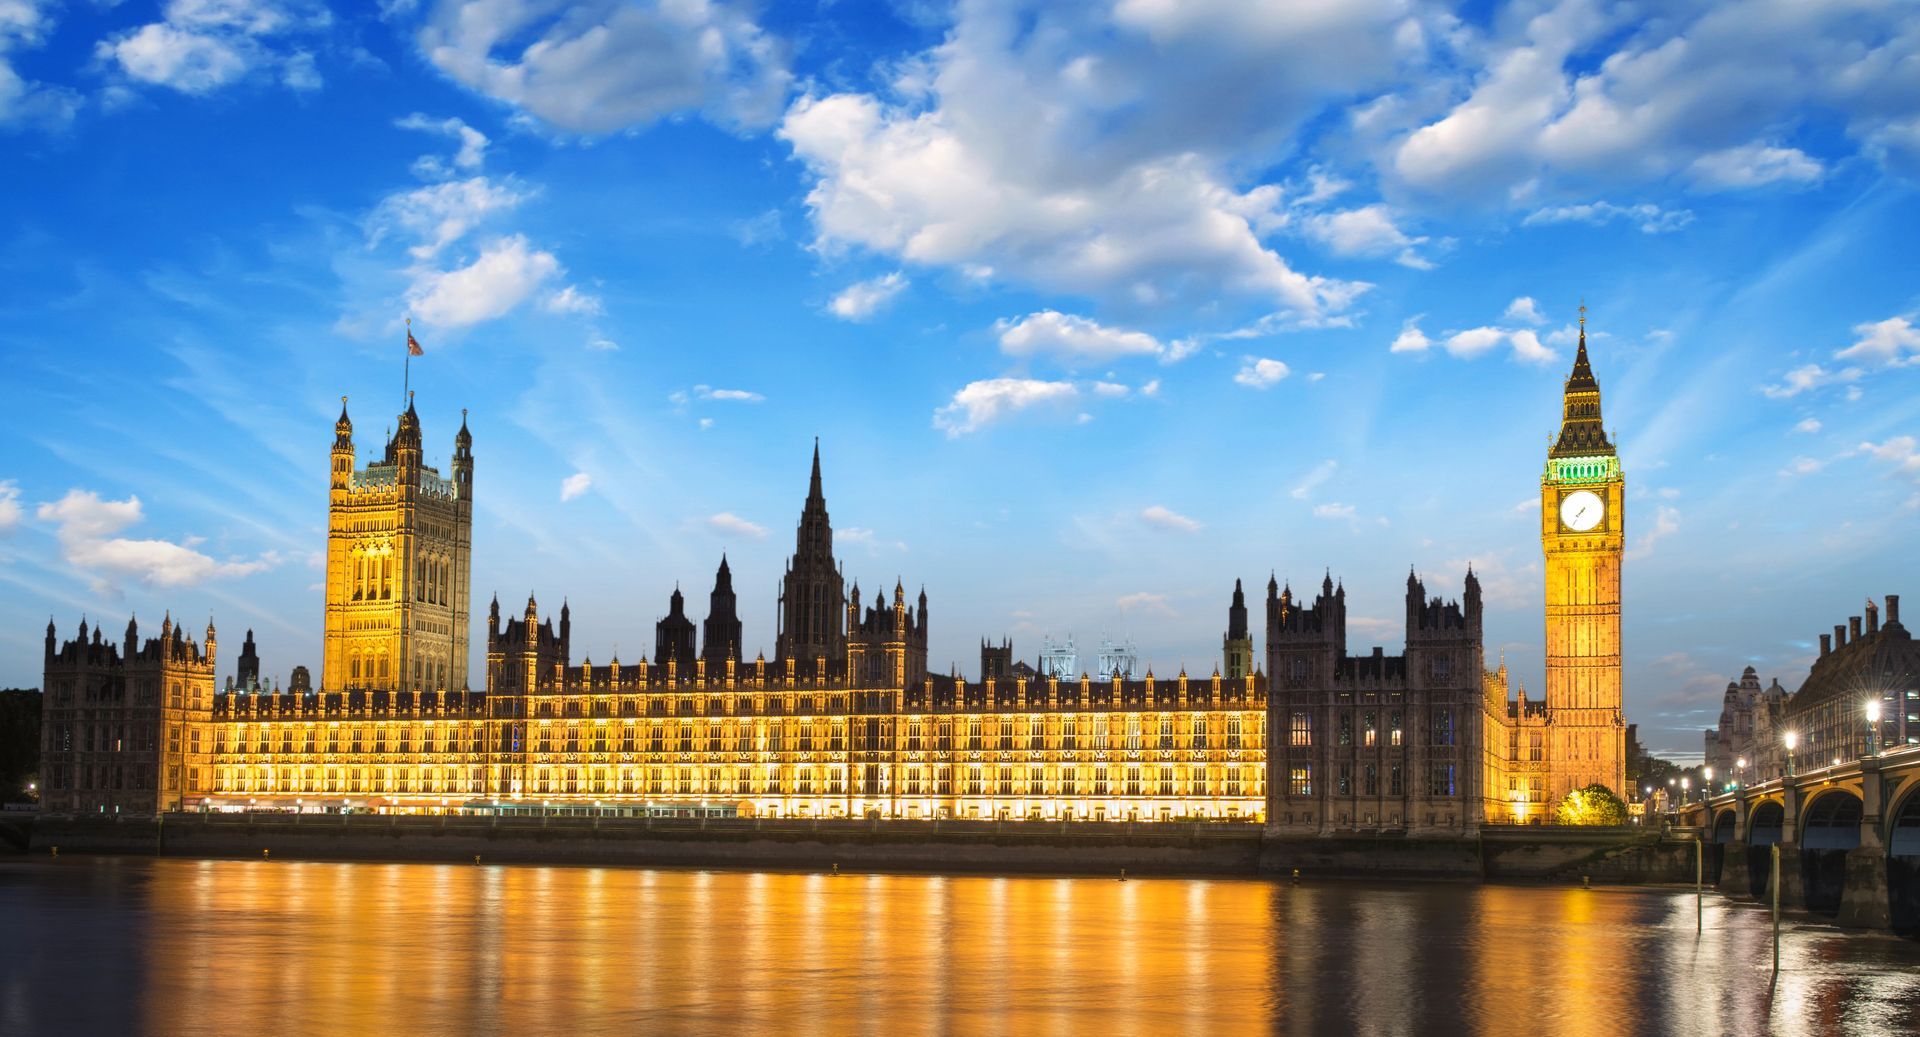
x=845 y=720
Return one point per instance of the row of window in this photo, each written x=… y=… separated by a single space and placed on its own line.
x=1440 y=780
x=1300 y=725
x=1096 y=780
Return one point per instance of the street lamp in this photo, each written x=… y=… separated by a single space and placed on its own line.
x=1792 y=738
x=1706 y=778
x=1740 y=772
x=1873 y=721
x=1686 y=786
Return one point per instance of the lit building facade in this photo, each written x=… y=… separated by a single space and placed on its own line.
x=1752 y=723
x=846 y=720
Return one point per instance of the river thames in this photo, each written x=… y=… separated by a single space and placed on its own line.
x=135 y=945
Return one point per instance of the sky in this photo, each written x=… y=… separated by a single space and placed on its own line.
x=1094 y=309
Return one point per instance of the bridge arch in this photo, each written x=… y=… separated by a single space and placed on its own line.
x=1766 y=820
x=1720 y=832
x=1829 y=829
x=1903 y=861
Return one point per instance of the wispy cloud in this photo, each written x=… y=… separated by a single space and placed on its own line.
x=574 y=485
x=863 y=299
x=1163 y=517
x=727 y=523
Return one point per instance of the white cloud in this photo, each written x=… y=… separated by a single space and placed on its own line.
x=598 y=66
x=1524 y=311
x=602 y=344
x=1893 y=342
x=1474 y=341
x=1166 y=518
x=1808 y=425
x=440 y=214
x=1333 y=511
x=186 y=61
x=1313 y=480
x=1666 y=522
x=1152 y=388
x=507 y=272
x=1144 y=601
x=25 y=24
x=1754 y=165
x=202 y=45
x=574 y=485
x=1650 y=218
x=1571 y=95
x=708 y=392
x=1808 y=377
x=1411 y=339
x=1064 y=335
x=727 y=523
x=1260 y=373
x=1801 y=466
x=10 y=510
x=572 y=300
x=85 y=528
x=473 y=143
x=1370 y=230
x=1527 y=347
x=1072 y=148
x=1110 y=389
x=1902 y=452
x=981 y=403
x=863 y=299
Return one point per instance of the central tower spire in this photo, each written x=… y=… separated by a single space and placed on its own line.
x=812 y=593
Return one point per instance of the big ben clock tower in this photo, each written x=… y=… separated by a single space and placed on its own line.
x=1582 y=530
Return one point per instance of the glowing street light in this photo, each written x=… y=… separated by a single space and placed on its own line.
x=1791 y=738
x=1706 y=777
x=1873 y=722
x=1686 y=784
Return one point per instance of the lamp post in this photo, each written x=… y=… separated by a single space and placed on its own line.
x=1873 y=725
x=1706 y=778
x=1792 y=738
x=1740 y=772
x=1686 y=789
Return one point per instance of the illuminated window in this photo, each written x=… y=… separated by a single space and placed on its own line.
x=1166 y=732
x=1233 y=781
x=1300 y=780
x=1393 y=729
x=1133 y=779
x=1369 y=729
x=1200 y=732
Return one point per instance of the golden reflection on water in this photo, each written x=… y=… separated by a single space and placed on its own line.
x=252 y=947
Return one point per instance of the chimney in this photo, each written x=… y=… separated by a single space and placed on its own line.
x=1853 y=627
x=1839 y=636
x=1893 y=608
x=1873 y=617
x=1826 y=644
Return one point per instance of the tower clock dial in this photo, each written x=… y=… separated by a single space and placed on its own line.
x=1582 y=510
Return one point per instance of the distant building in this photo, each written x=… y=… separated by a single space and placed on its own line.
x=1859 y=663
x=119 y=727
x=1752 y=720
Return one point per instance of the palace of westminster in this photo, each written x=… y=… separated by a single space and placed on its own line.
x=845 y=720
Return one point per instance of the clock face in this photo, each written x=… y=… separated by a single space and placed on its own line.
x=1582 y=510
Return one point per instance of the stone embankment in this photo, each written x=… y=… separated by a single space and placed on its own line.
x=1529 y=854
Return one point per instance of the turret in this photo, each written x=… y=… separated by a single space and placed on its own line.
x=463 y=458
x=211 y=644
x=342 y=449
x=132 y=643
x=406 y=441
x=50 y=637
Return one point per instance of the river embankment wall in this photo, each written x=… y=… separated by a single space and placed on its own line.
x=1553 y=855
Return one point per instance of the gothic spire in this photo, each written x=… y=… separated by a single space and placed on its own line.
x=1582 y=433
x=814 y=494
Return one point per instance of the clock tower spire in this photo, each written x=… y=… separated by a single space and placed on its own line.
x=1583 y=534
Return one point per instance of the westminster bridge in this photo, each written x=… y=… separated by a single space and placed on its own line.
x=1848 y=833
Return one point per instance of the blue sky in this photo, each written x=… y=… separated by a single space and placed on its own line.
x=1094 y=311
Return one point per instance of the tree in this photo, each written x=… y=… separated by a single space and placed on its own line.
x=19 y=742
x=1594 y=805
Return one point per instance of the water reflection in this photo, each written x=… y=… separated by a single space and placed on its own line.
x=188 y=947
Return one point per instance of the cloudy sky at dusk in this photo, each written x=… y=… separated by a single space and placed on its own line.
x=1093 y=311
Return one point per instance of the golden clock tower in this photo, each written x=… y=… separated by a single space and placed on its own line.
x=1583 y=529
